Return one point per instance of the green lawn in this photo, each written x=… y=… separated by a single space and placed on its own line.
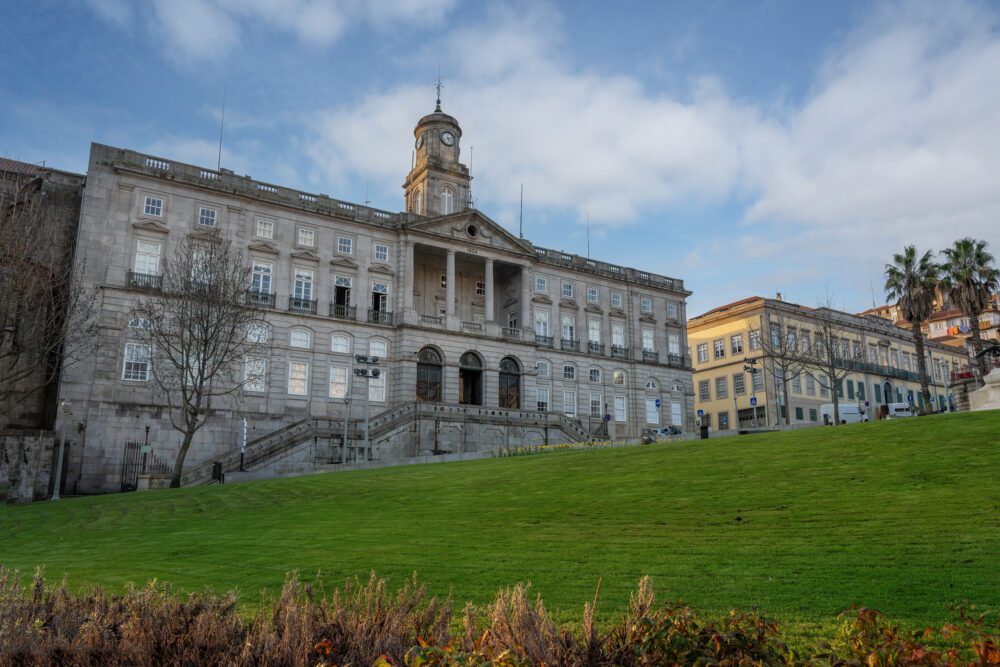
x=903 y=516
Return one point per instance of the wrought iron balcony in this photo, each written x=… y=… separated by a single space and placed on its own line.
x=569 y=345
x=342 y=312
x=595 y=348
x=675 y=360
x=651 y=356
x=543 y=341
x=379 y=316
x=619 y=352
x=261 y=299
x=297 y=305
x=145 y=281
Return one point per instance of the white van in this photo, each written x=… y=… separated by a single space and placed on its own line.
x=850 y=413
x=900 y=410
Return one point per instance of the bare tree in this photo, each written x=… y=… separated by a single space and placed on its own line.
x=835 y=353
x=201 y=333
x=47 y=314
x=780 y=347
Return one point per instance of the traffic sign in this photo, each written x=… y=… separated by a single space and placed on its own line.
x=753 y=401
x=658 y=403
x=909 y=398
x=701 y=413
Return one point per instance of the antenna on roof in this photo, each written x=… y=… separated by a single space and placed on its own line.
x=222 y=122
x=588 y=228
x=520 y=217
x=472 y=203
x=367 y=201
x=437 y=106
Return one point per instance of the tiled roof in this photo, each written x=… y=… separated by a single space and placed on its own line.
x=729 y=306
x=17 y=167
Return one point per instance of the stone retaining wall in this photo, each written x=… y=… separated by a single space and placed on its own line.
x=25 y=465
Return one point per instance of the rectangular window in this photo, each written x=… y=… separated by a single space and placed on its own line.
x=702 y=352
x=721 y=387
x=652 y=412
x=480 y=288
x=153 y=206
x=567 y=290
x=592 y=295
x=568 y=327
x=376 y=388
x=757 y=380
x=812 y=414
x=147 y=258
x=824 y=386
x=136 y=367
x=303 y=284
x=340 y=344
x=380 y=298
x=541 y=323
x=542 y=399
x=541 y=284
x=646 y=304
x=850 y=389
x=512 y=319
x=569 y=403
x=671 y=310
x=338 y=381
x=569 y=372
x=621 y=409
x=810 y=386
x=840 y=390
x=345 y=245
x=255 y=374
x=674 y=344
x=542 y=369
x=736 y=344
x=754 y=340
x=648 y=344
x=618 y=334
x=616 y=299
x=298 y=378
x=703 y=391
x=381 y=252
x=596 y=406
x=260 y=280
x=676 y=418
x=594 y=331
x=799 y=414
x=265 y=229
x=797 y=383
x=723 y=421
x=720 y=348
x=207 y=217
x=444 y=281
x=307 y=238
x=806 y=342
x=706 y=420
x=739 y=384
x=861 y=391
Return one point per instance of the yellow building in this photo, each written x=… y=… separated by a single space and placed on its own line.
x=734 y=368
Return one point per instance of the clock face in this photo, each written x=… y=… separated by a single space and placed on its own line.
x=447 y=138
x=420 y=142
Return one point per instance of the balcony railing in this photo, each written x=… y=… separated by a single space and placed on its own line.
x=651 y=356
x=543 y=341
x=297 y=305
x=340 y=311
x=145 y=281
x=261 y=299
x=569 y=345
x=595 y=348
x=676 y=360
x=379 y=316
x=510 y=333
x=619 y=352
x=433 y=320
x=472 y=327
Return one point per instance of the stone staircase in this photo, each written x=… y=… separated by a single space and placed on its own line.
x=398 y=422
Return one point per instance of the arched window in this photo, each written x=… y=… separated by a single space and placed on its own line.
x=542 y=369
x=471 y=361
x=429 y=375
x=651 y=384
x=470 y=379
x=340 y=343
x=447 y=201
x=300 y=338
x=378 y=348
x=140 y=323
x=416 y=200
x=510 y=383
x=595 y=374
x=619 y=377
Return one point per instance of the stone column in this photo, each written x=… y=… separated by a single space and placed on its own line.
x=490 y=311
x=408 y=275
x=526 y=324
x=450 y=278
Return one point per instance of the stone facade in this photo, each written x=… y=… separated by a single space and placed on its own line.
x=450 y=301
x=25 y=465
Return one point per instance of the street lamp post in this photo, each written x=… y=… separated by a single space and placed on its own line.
x=750 y=366
x=343 y=441
x=67 y=408
x=369 y=373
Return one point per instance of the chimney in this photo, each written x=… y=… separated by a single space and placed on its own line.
x=778 y=296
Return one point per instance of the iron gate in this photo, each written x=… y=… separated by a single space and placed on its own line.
x=131 y=462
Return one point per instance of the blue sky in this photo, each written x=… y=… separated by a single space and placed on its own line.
x=746 y=147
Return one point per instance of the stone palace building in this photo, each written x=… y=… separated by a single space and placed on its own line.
x=485 y=340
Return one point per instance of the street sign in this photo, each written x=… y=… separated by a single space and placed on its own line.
x=658 y=403
x=701 y=413
x=909 y=398
x=753 y=401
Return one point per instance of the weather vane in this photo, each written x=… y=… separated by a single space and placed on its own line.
x=438 y=86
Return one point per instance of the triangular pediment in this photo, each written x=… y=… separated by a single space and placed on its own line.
x=568 y=303
x=305 y=255
x=210 y=236
x=646 y=317
x=150 y=226
x=381 y=268
x=344 y=261
x=541 y=298
x=591 y=308
x=263 y=246
x=457 y=227
x=617 y=312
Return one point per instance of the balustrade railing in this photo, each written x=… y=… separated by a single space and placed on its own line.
x=472 y=327
x=379 y=316
x=261 y=299
x=145 y=281
x=297 y=305
x=510 y=333
x=433 y=320
x=340 y=311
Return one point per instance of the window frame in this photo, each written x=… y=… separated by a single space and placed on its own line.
x=264 y=224
x=146 y=360
x=202 y=210
x=152 y=209
x=341 y=245
x=292 y=363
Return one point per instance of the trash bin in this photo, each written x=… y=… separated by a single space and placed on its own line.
x=704 y=433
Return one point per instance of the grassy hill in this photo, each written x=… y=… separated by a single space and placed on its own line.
x=903 y=516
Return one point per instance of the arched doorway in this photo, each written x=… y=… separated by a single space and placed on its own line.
x=429 y=375
x=470 y=379
x=510 y=384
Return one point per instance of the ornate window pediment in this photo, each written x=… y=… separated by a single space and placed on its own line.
x=151 y=226
x=305 y=255
x=263 y=246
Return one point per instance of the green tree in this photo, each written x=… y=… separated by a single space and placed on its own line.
x=969 y=277
x=910 y=281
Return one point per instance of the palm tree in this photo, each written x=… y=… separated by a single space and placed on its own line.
x=970 y=278
x=910 y=281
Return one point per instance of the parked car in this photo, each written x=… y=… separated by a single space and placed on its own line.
x=666 y=432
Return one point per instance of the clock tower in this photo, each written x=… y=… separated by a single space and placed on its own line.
x=438 y=184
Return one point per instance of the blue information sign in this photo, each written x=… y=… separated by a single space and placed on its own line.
x=701 y=413
x=753 y=401
x=657 y=402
